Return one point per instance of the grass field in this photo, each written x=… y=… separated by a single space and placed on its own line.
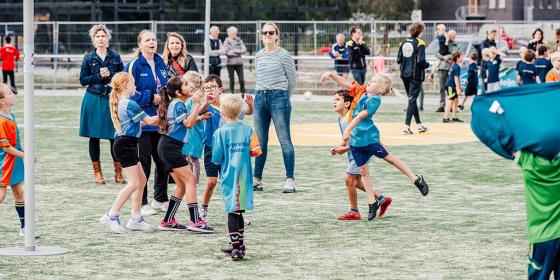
x=470 y=226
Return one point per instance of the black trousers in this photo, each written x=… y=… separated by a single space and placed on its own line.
x=215 y=69
x=231 y=71
x=147 y=149
x=9 y=74
x=412 y=88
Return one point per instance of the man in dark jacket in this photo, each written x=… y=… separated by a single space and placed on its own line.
x=412 y=60
x=357 y=51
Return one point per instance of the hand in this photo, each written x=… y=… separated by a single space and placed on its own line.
x=324 y=78
x=337 y=54
x=197 y=96
x=361 y=40
x=430 y=79
x=249 y=99
x=205 y=116
x=157 y=99
x=445 y=57
x=104 y=72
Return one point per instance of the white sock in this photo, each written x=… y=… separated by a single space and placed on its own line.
x=112 y=214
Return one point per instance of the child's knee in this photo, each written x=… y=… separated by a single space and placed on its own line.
x=364 y=170
x=17 y=190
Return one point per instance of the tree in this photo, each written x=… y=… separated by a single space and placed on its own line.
x=384 y=9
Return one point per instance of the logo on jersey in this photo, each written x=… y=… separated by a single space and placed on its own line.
x=407 y=49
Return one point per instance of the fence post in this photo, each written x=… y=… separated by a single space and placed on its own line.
x=154 y=27
x=373 y=33
x=55 y=51
x=315 y=37
x=257 y=37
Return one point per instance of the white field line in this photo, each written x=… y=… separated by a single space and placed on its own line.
x=45 y=188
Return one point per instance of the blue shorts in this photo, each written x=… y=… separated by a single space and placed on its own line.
x=212 y=169
x=363 y=154
x=544 y=258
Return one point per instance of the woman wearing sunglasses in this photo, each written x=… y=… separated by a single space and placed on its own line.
x=276 y=80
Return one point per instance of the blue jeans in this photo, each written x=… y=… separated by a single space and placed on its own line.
x=359 y=75
x=274 y=105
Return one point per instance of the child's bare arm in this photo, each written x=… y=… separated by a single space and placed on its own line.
x=191 y=120
x=337 y=79
x=249 y=101
x=13 y=151
x=457 y=84
x=149 y=121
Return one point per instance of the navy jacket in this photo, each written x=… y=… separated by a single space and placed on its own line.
x=146 y=85
x=89 y=72
x=412 y=59
x=357 y=54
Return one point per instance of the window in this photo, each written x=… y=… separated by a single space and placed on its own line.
x=549 y=4
x=501 y=4
x=557 y=4
x=491 y=4
x=541 y=4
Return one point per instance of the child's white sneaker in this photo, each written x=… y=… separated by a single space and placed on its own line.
x=114 y=224
x=147 y=210
x=139 y=224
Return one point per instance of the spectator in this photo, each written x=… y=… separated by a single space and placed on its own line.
x=9 y=54
x=216 y=49
x=176 y=57
x=357 y=51
x=489 y=41
x=234 y=48
x=339 y=53
x=444 y=67
x=538 y=37
x=556 y=47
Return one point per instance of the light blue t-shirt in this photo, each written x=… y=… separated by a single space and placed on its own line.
x=216 y=121
x=365 y=133
x=130 y=114
x=193 y=147
x=233 y=145
x=176 y=113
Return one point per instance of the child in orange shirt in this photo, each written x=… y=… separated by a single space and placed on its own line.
x=554 y=74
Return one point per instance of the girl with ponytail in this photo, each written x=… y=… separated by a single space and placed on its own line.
x=127 y=117
x=174 y=121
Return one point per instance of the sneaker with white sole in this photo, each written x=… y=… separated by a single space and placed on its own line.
x=200 y=227
x=257 y=185
x=139 y=224
x=172 y=225
x=147 y=210
x=156 y=205
x=203 y=212
x=22 y=233
x=114 y=224
x=289 y=186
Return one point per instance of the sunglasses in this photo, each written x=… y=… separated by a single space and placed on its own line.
x=212 y=87
x=270 y=33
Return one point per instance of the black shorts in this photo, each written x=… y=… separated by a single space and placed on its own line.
x=471 y=90
x=212 y=169
x=169 y=151
x=126 y=150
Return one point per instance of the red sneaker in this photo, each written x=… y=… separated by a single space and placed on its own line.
x=351 y=215
x=384 y=205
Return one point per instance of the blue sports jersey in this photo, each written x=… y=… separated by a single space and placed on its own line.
x=234 y=144
x=472 y=76
x=493 y=68
x=528 y=73
x=365 y=133
x=130 y=115
x=194 y=145
x=543 y=66
x=216 y=121
x=176 y=113
x=454 y=72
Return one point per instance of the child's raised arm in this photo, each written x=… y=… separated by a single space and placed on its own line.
x=249 y=101
x=337 y=79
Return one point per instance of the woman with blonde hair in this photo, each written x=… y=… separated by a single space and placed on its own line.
x=150 y=74
x=98 y=67
x=176 y=57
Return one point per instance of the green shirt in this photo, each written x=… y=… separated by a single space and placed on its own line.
x=542 y=196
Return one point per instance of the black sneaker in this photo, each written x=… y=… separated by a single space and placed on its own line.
x=373 y=210
x=228 y=249
x=407 y=131
x=236 y=255
x=456 y=120
x=258 y=188
x=421 y=184
x=446 y=120
x=440 y=110
x=422 y=129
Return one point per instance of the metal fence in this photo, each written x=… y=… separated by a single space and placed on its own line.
x=59 y=45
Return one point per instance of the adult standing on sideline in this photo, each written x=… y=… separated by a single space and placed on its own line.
x=216 y=49
x=150 y=73
x=234 y=48
x=444 y=67
x=98 y=67
x=177 y=60
x=9 y=54
x=276 y=80
x=490 y=41
x=412 y=60
x=538 y=37
x=340 y=55
x=357 y=51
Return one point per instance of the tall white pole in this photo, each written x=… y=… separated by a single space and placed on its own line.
x=29 y=123
x=207 y=39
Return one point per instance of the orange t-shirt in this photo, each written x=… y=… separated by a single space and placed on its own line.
x=552 y=76
x=8 y=137
x=357 y=92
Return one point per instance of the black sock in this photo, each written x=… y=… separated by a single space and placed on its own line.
x=205 y=207
x=233 y=228
x=355 y=210
x=241 y=224
x=20 y=209
x=193 y=211
x=172 y=209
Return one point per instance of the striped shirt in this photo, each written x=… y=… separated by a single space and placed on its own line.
x=276 y=70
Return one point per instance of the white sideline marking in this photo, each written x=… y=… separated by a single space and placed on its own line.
x=45 y=188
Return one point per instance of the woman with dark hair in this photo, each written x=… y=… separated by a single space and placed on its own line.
x=538 y=39
x=98 y=67
x=176 y=57
x=150 y=74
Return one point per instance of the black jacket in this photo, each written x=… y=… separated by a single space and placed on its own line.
x=357 y=54
x=412 y=59
x=190 y=65
x=89 y=71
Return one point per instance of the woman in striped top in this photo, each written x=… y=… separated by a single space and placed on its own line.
x=276 y=81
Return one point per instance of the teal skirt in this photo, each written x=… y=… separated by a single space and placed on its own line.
x=95 y=117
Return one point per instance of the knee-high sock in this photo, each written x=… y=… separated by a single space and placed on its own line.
x=20 y=209
x=233 y=228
